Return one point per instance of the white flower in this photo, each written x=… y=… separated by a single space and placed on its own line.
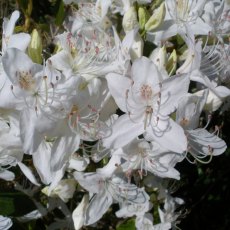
x=107 y=188
x=216 y=14
x=181 y=16
x=201 y=143
x=26 y=77
x=149 y=157
x=147 y=100
x=90 y=52
x=168 y=214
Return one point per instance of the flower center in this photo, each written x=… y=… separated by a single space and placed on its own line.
x=184 y=122
x=26 y=80
x=146 y=92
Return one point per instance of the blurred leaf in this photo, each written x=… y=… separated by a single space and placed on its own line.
x=6 y=205
x=23 y=4
x=26 y=6
x=60 y=14
x=127 y=225
x=15 y=204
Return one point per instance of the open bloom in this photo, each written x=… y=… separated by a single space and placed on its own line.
x=150 y=157
x=182 y=16
x=107 y=188
x=201 y=143
x=89 y=52
x=147 y=100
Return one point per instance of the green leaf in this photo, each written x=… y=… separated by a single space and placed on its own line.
x=60 y=14
x=127 y=225
x=6 y=206
x=15 y=204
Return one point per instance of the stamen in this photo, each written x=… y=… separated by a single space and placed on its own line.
x=184 y=122
x=148 y=116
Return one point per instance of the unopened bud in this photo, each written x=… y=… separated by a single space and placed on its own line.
x=158 y=56
x=130 y=19
x=172 y=63
x=156 y=19
x=143 y=16
x=136 y=50
x=35 y=47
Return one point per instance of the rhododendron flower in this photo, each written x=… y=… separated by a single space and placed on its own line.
x=149 y=157
x=201 y=143
x=107 y=188
x=147 y=99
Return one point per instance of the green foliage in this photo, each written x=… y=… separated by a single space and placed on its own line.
x=127 y=225
x=60 y=16
x=6 y=205
x=13 y=204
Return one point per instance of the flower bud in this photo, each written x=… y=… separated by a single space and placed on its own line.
x=143 y=16
x=130 y=19
x=35 y=47
x=172 y=63
x=156 y=19
x=136 y=50
x=158 y=56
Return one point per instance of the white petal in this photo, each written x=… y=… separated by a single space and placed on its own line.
x=111 y=166
x=201 y=142
x=99 y=204
x=8 y=25
x=19 y=41
x=21 y=63
x=123 y=131
x=62 y=149
x=61 y=61
x=41 y=160
x=57 y=176
x=144 y=71
x=89 y=181
x=78 y=163
x=28 y=173
x=30 y=137
x=5 y=223
x=30 y=216
x=6 y=175
x=172 y=90
x=190 y=108
x=168 y=134
x=118 y=86
x=79 y=213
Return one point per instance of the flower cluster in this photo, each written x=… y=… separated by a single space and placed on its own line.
x=116 y=106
